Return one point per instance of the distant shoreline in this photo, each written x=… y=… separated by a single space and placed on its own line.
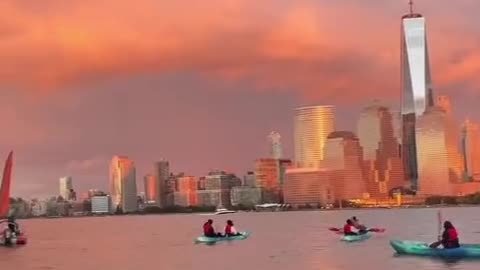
x=263 y=211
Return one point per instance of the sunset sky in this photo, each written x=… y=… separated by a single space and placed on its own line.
x=203 y=82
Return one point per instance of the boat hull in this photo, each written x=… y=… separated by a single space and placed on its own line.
x=356 y=238
x=212 y=240
x=423 y=249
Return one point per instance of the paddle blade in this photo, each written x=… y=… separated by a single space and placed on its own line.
x=334 y=229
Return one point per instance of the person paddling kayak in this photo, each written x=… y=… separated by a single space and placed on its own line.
x=209 y=231
x=449 y=237
x=11 y=232
x=349 y=228
x=230 y=230
x=356 y=223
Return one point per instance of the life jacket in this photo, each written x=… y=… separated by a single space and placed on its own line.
x=347 y=228
x=452 y=234
x=228 y=229
x=208 y=229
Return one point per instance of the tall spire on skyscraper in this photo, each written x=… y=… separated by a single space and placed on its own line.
x=275 y=145
x=416 y=85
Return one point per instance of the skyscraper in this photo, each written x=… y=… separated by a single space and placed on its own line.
x=416 y=86
x=312 y=126
x=343 y=157
x=455 y=157
x=270 y=176
x=162 y=174
x=151 y=190
x=471 y=149
x=123 y=186
x=187 y=188
x=382 y=163
x=275 y=145
x=66 y=185
x=439 y=165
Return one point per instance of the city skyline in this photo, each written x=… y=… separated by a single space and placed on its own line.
x=80 y=113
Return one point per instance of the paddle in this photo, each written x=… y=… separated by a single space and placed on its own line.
x=439 y=219
x=377 y=230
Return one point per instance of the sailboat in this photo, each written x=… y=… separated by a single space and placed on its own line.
x=5 y=201
x=5 y=188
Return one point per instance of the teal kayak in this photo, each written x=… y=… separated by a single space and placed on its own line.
x=423 y=249
x=355 y=238
x=211 y=240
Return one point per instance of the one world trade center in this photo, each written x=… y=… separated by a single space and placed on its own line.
x=416 y=88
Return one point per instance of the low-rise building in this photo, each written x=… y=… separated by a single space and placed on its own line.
x=102 y=205
x=308 y=186
x=246 y=196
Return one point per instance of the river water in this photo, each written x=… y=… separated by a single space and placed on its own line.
x=279 y=241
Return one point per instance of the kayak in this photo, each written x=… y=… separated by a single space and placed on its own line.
x=211 y=240
x=16 y=241
x=423 y=249
x=356 y=238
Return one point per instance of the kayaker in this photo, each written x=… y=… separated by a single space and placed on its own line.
x=209 y=231
x=449 y=237
x=349 y=228
x=356 y=223
x=10 y=232
x=13 y=226
x=230 y=230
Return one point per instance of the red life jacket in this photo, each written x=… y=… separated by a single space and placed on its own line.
x=228 y=229
x=347 y=228
x=452 y=234
x=208 y=229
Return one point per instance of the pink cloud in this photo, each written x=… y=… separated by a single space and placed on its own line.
x=316 y=48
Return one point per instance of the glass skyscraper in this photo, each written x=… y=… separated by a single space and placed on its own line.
x=123 y=186
x=382 y=164
x=312 y=126
x=471 y=149
x=439 y=163
x=416 y=87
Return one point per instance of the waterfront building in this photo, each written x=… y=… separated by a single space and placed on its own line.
x=344 y=158
x=312 y=126
x=275 y=145
x=101 y=204
x=439 y=164
x=383 y=165
x=471 y=150
x=416 y=87
x=308 y=186
x=246 y=196
x=123 y=186
x=66 y=186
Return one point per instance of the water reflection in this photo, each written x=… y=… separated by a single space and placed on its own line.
x=279 y=241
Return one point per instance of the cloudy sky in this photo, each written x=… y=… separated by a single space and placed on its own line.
x=202 y=82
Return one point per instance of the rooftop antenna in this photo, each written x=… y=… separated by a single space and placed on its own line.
x=410 y=3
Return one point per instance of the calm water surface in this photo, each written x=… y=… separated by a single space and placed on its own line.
x=279 y=241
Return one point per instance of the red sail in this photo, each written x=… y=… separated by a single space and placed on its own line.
x=5 y=189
